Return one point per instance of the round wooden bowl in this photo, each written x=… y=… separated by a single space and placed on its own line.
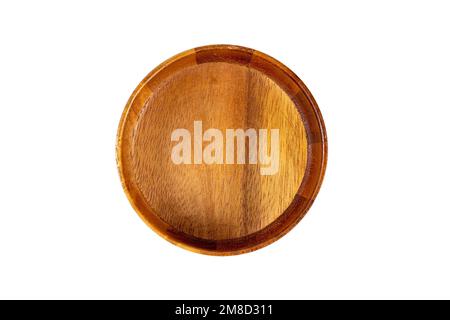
x=221 y=149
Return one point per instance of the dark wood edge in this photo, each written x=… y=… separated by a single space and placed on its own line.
x=308 y=110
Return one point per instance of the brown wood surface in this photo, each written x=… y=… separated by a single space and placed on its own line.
x=220 y=208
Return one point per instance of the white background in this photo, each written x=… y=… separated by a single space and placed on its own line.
x=379 y=72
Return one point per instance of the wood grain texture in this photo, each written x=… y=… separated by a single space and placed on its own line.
x=220 y=209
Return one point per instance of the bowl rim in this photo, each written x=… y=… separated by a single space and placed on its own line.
x=317 y=148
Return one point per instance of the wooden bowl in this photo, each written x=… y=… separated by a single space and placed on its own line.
x=221 y=149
